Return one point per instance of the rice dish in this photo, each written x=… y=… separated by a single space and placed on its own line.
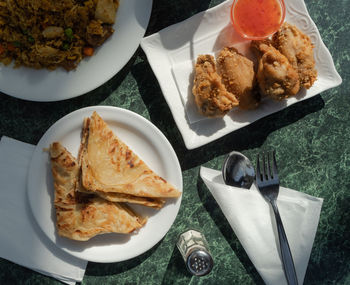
x=53 y=33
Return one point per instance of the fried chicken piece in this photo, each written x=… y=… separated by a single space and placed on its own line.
x=237 y=73
x=276 y=76
x=211 y=96
x=298 y=49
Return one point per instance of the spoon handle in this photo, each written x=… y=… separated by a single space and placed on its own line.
x=287 y=259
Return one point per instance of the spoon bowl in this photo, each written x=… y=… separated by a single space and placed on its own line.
x=238 y=171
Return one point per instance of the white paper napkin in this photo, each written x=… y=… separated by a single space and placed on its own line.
x=21 y=239
x=253 y=222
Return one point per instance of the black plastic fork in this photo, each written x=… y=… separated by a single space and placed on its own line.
x=268 y=184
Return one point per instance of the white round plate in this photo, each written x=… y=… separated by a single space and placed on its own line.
x=44 y=85
x=147 y=142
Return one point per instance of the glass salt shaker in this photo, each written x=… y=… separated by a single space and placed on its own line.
x=195 y=251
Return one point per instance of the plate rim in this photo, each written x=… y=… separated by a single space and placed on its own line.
x=36 y=157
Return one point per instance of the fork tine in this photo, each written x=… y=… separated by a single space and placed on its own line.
x=275 y=171
x=258 y=175
x=264 y=166
x=268 y=174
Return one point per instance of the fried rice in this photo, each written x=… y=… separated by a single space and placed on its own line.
x=53 y=33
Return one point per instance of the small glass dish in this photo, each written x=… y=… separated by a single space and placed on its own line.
x=257 y=19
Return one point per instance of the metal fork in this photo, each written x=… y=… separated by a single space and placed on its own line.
x=268 y=185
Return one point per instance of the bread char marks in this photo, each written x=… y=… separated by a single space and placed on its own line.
x=110 y=166
x=156 y=203
x=81 y=216
x=128 y=157
x=65 y=170
x=118 y=154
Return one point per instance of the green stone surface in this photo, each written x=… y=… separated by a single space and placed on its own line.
x=311 y=138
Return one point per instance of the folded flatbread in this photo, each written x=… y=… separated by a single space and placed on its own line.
x=156 y=203
x=81 y=216
x=109 y=166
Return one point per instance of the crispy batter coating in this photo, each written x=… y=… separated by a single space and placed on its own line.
x=298 y=49
x=211 y=96
x=276 y=76
x=237 y=73
x=285 y=65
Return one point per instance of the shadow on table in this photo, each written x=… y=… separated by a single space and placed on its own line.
x=218 y=217
x=330 y=255
x=176 y=270
x=166 y=13
x=28 y=112
x=329 y=260
x=251 y=136
x=107 y=269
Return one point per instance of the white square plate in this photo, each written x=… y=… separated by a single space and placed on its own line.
x=172 y=51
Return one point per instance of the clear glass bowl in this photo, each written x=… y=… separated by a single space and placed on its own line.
x=259 y=35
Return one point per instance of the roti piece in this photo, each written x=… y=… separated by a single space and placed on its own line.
x=156 y=203
x=81 y=216
x=110 y=166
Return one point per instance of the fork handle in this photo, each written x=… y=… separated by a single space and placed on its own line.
x=287 y=258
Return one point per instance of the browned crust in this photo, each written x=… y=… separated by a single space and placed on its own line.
x=80 y=216
x=123 y=162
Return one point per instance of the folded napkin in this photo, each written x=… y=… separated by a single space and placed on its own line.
x=253 y=222
x=21 y=239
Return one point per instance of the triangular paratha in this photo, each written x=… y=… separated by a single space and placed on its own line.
x=109 y=165
x=81 y=216
x=156 y=203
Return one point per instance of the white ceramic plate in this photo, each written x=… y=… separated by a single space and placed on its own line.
x=172 y=51
x=152 y=147
x=43 y=85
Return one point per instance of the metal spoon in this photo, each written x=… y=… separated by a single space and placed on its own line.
x=238 y=171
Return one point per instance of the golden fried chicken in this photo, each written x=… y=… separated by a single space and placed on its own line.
x=298 y=49
x=237 y=73
x=211 y=96
x=276 y=76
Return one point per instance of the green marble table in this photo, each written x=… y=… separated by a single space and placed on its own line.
x=312 y=140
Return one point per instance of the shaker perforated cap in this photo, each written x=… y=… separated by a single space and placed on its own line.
x=199 y=262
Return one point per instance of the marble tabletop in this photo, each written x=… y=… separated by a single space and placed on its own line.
x=311 y=139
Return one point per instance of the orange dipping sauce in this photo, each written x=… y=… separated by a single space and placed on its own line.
x=257 y=19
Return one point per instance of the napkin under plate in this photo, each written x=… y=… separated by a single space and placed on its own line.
x=21 y=239
x=253 y=222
